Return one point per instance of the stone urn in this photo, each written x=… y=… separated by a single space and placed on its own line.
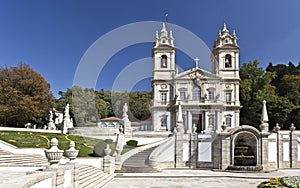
x=224 y=126
x=107 y=150
x=118 y=150
x=54 y=154
x=292 y=127
x=72 y=152
x=277 y=128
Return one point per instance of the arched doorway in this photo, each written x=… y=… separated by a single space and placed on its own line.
x=245 y=149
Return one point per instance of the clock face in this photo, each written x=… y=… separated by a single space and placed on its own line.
x=163 y=86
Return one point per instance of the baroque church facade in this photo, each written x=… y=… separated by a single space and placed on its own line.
x=208 y=99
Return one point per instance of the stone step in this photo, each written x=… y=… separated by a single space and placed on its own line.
x=138 y=163
x=88 y=181
x=23 y=164
x=135 y=169
x=10 y=159
x=103 y=180
x=85 y=172
x=92 y=177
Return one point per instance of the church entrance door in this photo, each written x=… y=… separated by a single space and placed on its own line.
x=197 y=120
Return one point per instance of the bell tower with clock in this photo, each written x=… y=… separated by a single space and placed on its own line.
x=163 y=54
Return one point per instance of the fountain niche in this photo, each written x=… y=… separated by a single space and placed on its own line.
x=245 y=153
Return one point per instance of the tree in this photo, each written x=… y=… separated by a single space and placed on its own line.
x=255 y=87
x=25 y=96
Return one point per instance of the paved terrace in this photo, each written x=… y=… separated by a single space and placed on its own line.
x=195 y=178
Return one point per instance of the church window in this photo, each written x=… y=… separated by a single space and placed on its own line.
x=164 y=97
x=196 y=93
x=228 y=63
x=163 y=61
x=211 y=120
x=211 y=95
x=163 y=120
x=182 y=95
x=228 y=97
x=228 y=121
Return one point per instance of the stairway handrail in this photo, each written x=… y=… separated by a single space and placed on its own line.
x=160 y=149
x=134 y=151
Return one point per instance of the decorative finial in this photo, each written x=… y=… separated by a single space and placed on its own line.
x=156 y=34
x=197 y=61
x=224 y=26
x=292 y=127
x=264 y=118
x=166 y=18
x=224 y=30
x=234 y=33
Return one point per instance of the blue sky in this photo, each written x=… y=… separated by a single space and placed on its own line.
x=52 y=36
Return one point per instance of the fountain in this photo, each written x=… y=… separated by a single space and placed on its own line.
x=245 y=153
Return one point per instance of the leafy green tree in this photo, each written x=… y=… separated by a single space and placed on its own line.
x=139 y=103
x=255 y=87
x=25 y=96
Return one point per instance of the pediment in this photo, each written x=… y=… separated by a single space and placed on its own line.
x=196 y=73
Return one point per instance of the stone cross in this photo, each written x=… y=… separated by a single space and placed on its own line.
x=197 y=61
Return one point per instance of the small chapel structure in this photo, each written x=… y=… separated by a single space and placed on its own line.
x=208 y=99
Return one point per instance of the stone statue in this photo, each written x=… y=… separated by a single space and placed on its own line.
x=67 y=109
x=51 y=116
x=125 y=108
x=51 y=125
x=126 y=122
x=67 y=123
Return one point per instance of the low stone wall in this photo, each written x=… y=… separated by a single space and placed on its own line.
x=15 y=150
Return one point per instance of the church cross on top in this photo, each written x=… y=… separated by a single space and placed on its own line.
x=197 y=61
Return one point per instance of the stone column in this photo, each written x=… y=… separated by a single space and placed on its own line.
x=293 y=147
x=189 y=122
x=264 y=150
x=107 y=161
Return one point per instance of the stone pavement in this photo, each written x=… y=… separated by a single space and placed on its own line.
x=186 y=178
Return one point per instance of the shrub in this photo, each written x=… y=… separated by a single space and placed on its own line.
x=99 y=149
x=133 y=143
x=108 y=141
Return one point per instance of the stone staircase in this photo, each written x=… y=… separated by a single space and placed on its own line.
x=8 y=159
x=138 y=163
x=92 y=177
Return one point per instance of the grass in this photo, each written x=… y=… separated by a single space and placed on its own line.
x=85 y=145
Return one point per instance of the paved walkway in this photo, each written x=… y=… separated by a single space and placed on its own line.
x=194 y=178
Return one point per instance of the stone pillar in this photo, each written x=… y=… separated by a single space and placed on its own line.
x=64 y=176
x=222 y=151
x=194 y=150
x=118 y=157
x=108 y=165
x=293 y=147
x=189 y=122
x=277 y=129
x=76 y=175
x=264 y=150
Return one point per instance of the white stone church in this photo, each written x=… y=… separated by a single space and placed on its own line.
x=202 y=109
x=208 y=99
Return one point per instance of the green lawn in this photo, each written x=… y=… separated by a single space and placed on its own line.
x=85 y=145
